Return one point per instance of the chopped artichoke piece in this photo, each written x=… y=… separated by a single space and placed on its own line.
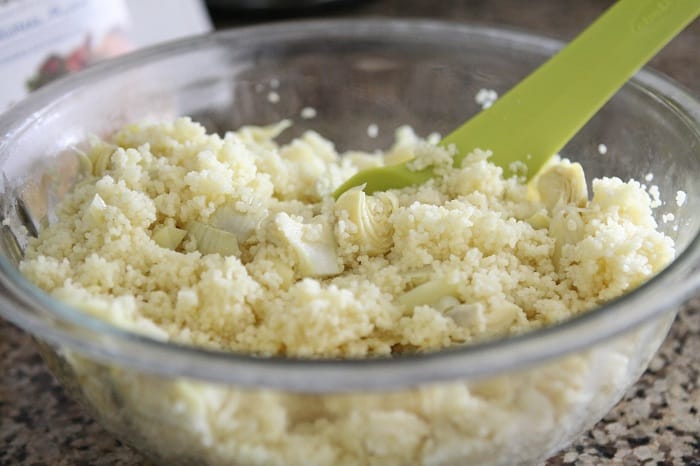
x=566 y=227
x=561 y=184
x=469 y=316
x=212 y=240
x=446 y=302
x=313 y=243
x=240 y=224
x=262 y=135
x=100 y=157
x=363 y=160
x=169 y=237
x=539 y=220
x=399 y=155
x=403 y=149
x=95 y=211
x=419 y=276
x=84 y=162
x=370 y=214
x=428 y=293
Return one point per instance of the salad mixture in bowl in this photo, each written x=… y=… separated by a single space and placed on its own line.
x=194 y=282
x=235 y=243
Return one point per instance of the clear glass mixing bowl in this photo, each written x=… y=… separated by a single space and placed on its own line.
x=513 y=401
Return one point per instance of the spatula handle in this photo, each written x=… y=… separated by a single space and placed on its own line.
x=536 y=118
x=541 y=114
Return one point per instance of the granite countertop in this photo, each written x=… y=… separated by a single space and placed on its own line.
x=657 y=423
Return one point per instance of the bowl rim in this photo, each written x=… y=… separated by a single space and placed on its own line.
x=68 y=328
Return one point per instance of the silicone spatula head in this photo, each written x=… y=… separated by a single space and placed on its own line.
x=536 y=118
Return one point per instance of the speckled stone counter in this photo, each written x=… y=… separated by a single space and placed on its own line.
x=657 y=423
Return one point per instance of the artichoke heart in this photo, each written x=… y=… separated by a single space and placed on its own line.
x=468 y=315
x=539 y=220
x=370 y=214
x=169 y=237
x=561 y=184
x=96 y=211
x=428 y=293
x=566 y=227
x=100 y=158
x=313 y=244
x=84 y=163
x=212 y=240
x=241 y=224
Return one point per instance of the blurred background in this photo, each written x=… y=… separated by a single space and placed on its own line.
x=561 y=19
x=43 y=40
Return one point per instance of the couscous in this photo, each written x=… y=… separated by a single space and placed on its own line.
x=234 y=243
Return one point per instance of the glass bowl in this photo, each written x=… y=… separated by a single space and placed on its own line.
x=507 y=402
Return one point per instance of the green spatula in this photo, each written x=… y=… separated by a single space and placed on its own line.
x=536 y=118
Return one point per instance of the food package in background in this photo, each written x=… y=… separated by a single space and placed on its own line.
x=43 y=40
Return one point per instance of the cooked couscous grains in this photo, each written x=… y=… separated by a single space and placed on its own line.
x=235 y=243
x=465 y=257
